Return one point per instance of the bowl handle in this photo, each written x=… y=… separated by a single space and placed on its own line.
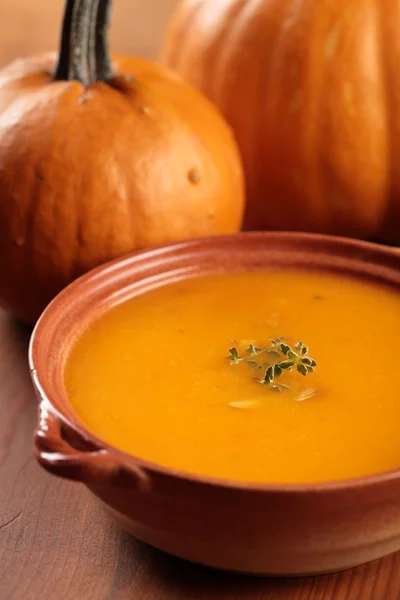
x=93 y=466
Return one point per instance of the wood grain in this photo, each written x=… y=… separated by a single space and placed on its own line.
x=30 y=26
x=55 y=542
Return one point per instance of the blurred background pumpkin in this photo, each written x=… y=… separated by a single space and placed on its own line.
x=99 y=158
x=33 y=26
x=312 y=91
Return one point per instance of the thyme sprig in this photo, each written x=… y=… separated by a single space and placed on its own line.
x=290 y=358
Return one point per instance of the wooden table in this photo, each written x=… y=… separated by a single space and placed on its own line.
x=56 y=544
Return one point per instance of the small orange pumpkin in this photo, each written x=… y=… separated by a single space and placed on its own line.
x=98 y=159
x=312 y=91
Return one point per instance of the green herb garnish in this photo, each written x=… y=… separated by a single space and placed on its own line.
x=293 y=358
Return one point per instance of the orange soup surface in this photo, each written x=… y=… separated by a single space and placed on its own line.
x=151 y=377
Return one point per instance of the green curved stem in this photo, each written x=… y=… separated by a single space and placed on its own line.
x=84 y=50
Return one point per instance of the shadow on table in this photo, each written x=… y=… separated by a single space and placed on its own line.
x=188 y=580
x=18 y=331
x=189 y=577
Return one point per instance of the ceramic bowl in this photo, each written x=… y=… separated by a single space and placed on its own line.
x=254 y=528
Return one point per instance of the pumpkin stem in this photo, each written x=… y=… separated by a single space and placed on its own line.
x=84 y=51
x=104 y=70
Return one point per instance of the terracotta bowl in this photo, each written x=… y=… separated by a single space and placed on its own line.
x=263 y=529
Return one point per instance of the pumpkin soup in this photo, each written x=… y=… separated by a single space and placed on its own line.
x=158 y=377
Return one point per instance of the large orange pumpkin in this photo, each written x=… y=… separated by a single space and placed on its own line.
x=312 y=90
x=99 y=158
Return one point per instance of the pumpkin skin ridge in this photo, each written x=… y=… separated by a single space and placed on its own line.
x=21 y=243
x=27 y=291
x=311 y=123
x=333 y=171
x=239 y=12
x=390 y=225
x=256 y=144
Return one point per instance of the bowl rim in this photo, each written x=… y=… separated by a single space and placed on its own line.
x=196 y=245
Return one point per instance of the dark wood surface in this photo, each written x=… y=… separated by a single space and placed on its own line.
x=56 y=543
